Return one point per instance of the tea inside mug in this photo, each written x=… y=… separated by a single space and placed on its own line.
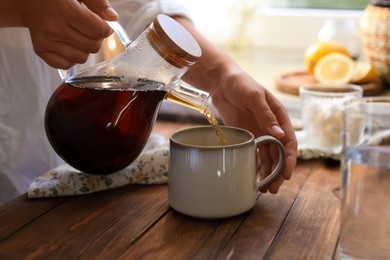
x=205 y=137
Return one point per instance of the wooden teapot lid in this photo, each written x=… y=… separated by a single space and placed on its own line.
x=173 y=42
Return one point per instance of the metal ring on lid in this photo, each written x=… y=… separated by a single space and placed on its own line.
x=173 y=42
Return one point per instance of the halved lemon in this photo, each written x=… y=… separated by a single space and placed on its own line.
x=364 y=72
x=319 y=49
x=334 y=68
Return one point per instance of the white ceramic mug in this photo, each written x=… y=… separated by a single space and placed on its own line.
x=210 y=180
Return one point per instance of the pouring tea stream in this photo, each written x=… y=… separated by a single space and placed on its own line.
x=98 y=120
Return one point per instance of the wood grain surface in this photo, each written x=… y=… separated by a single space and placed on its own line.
x=136 y=222
x=290 y=82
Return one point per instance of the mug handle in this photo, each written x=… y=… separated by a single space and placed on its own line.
x=265 y=139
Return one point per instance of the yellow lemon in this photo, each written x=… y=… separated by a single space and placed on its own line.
x=319 y=49
x=334 y=68
x=364 y=73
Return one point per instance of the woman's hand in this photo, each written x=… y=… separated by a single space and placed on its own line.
x=243 y=102
x=65 y=32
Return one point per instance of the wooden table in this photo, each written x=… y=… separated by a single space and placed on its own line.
x=136 y=222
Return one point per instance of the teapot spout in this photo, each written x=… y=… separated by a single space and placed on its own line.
x=188 y=96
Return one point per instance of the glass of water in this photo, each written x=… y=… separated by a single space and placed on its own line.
x=365 y=208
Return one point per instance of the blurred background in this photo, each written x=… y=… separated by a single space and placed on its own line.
x=269 y=37
x=269 y=25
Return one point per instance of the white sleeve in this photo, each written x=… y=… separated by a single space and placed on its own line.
x=136 y=15
x=173 y=7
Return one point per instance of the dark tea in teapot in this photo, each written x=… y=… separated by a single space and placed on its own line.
x=100 y=125
x=100 y=118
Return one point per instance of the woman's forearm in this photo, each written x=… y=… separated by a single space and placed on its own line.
x=11 y=13
x=204 y=74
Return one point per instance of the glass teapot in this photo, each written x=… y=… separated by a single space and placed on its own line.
x=98 y=120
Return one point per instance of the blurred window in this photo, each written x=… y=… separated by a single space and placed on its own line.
x=319 y=4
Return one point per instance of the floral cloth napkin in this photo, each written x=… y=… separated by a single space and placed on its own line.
x=305 y=151
x=151 y=167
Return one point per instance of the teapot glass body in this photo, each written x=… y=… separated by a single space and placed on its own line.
x=100 y=119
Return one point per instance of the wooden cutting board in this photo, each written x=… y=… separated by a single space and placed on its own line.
x=290 y=82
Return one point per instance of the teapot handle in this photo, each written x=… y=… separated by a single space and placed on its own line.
x=119 y=31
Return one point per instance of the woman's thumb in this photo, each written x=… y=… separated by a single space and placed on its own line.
x=102 y=8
